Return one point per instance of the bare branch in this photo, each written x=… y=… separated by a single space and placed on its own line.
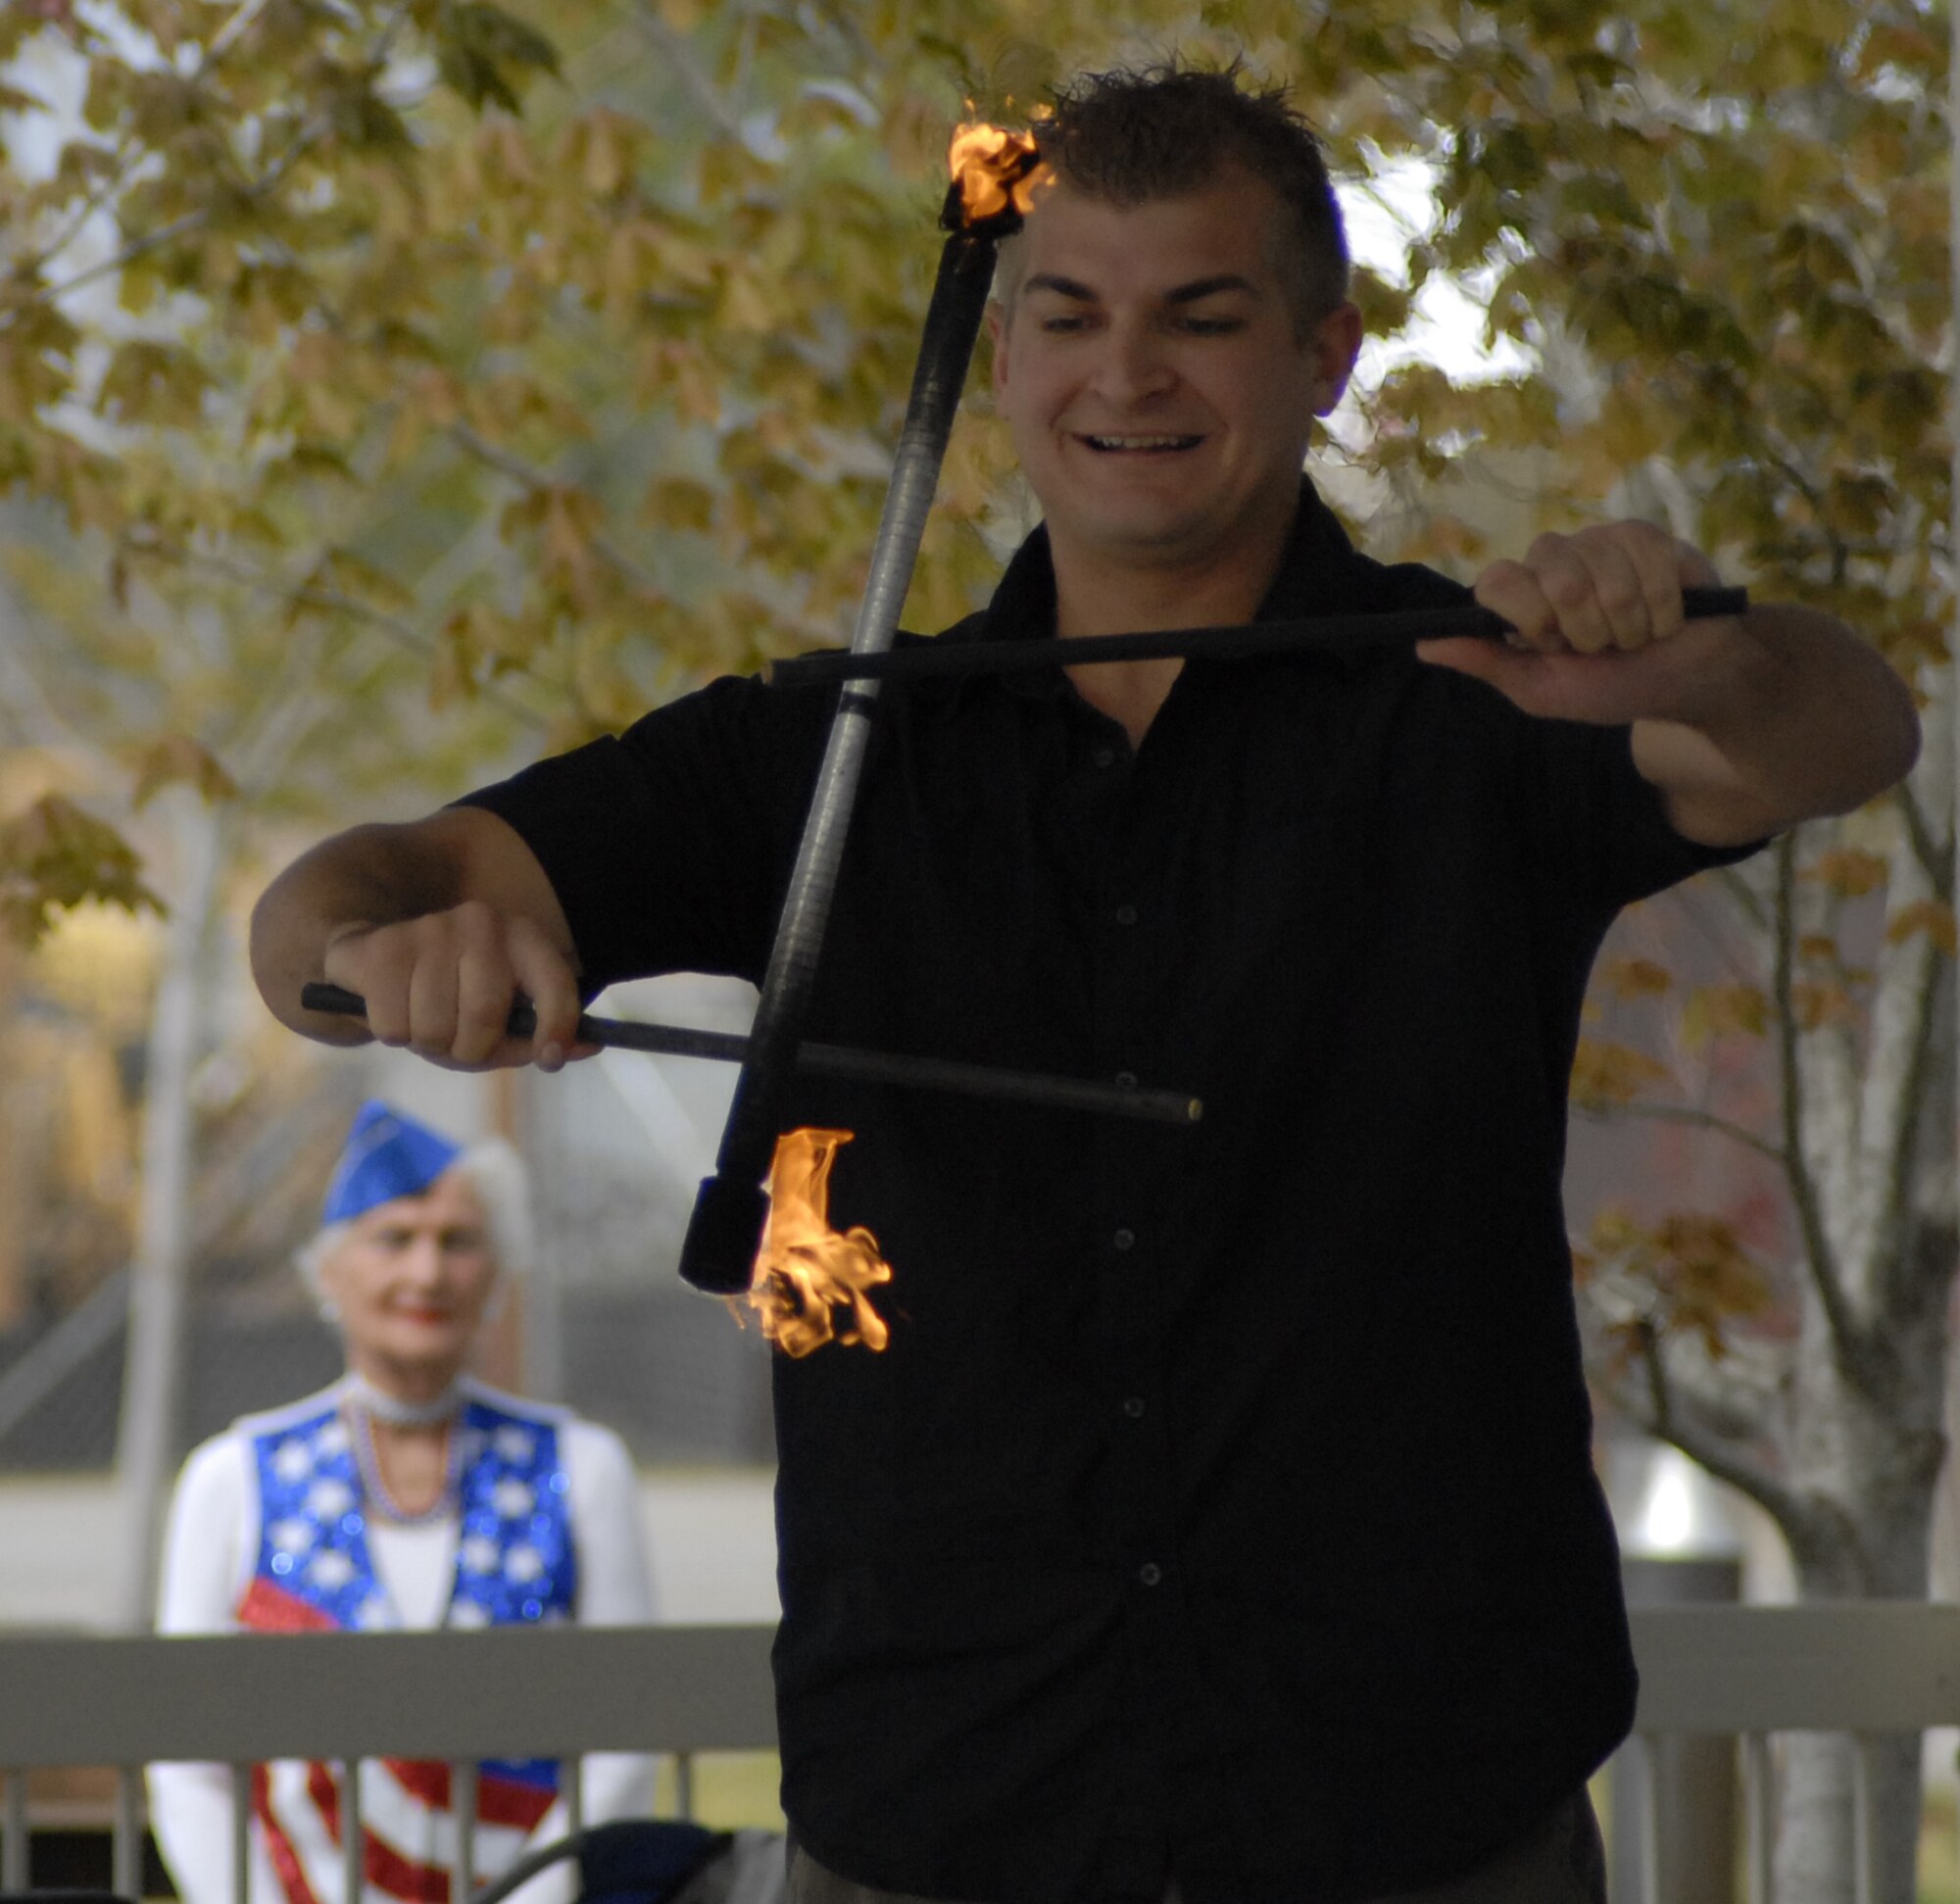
x=1658 y=1413
x=1703 y=1120
x=1935 y=857
x=1818 y=1258
x=1746 y=902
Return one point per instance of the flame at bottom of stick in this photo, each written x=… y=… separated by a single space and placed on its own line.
x=811 y=1282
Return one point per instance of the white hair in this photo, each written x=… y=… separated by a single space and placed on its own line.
x=496 y=1173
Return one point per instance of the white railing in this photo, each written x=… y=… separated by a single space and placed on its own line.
x=1860 y=1668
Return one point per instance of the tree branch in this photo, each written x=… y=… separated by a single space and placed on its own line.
x=1744 y=897
x=252 y=191
x=1661 y=1418
x=313 y=595
x=1846 y=1338
x=1934 y=858
x=1705 y=1120
x=673 y=48
x=530 y=477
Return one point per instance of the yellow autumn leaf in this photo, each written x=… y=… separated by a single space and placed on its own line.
x=1607 y=1073
x=1930 y=917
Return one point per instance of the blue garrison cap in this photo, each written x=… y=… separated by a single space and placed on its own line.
x=387 y=1154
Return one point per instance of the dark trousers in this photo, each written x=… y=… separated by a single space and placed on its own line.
x=1560 y=1862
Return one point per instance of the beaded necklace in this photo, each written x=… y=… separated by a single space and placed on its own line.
x=367 y=1461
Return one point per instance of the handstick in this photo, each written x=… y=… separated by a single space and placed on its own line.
x=841 y=1061
x=1335 y=633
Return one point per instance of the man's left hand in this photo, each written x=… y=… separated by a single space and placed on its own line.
x=1600 y=635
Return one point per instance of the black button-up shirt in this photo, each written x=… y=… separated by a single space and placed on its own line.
x=1223 y=1505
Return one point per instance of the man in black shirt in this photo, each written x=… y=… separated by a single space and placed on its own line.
x=1220 y=1519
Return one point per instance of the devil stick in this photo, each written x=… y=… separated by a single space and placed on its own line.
x=731 y=1208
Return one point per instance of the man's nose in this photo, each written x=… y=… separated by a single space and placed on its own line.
x=1134 y=364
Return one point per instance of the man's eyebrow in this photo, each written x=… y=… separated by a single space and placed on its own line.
x=1192 y=293
x=1205 y=288
x=1065 y=287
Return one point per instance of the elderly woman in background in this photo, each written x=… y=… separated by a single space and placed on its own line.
x=406 y=1495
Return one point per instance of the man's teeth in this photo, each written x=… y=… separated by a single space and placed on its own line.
x=1142 y=442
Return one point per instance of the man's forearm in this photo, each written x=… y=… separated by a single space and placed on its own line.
x=1800 y=719
x=371 y=875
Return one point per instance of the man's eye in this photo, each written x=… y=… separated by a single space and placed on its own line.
x=1213 y=326
x=1061 y=327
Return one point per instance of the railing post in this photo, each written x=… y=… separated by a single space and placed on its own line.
x=241 y=1835
x=572 y=1778
x=1865 y=1817
x=126 y=1856
x=1651 y=1750
x=353 y=1835
x=684 y=1783
x=13 y=1860
x=1759 y=1806
x=463 y=1808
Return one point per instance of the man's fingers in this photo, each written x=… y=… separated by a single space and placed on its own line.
x=1614 y=586
x=485 y=987
x=1509 y=589
x=546 y=979
x=358 y=961
x=444 y=983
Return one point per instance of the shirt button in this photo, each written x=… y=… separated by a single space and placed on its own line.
x=1132 y=1406
x=1149 y=1573
x=1105 y=756
x=1126 y=916
x=1125 y=1239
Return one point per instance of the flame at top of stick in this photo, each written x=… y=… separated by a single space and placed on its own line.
x=996 y=172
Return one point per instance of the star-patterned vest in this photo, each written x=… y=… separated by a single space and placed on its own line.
x=313 y=1572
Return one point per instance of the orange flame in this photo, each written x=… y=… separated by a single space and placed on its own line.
x=806 y=1271
x=995 y=169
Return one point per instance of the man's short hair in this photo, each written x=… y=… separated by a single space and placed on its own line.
x=1134 y=134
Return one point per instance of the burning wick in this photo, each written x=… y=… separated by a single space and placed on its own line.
x=805 y=1270
x=996 y=170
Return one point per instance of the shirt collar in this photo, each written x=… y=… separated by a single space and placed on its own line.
x=1320 y=574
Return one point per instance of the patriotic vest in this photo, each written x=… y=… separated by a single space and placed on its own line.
x=313 y=1572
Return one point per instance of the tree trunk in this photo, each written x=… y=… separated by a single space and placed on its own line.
x=1867 y=1470
x=146 y=1448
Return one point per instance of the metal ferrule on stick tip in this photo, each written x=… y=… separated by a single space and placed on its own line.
x=730 y=1210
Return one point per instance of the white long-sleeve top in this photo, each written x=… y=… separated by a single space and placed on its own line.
x=211 y=1548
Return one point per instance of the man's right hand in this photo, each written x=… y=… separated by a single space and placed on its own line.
x=440 y=925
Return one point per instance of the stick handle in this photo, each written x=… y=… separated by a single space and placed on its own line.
x=841 y=1061
x=932 y=659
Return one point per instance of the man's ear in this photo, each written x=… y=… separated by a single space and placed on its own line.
x=996 y=338
x=1335 y=344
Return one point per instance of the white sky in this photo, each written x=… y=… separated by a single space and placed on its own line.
x=1447 y=329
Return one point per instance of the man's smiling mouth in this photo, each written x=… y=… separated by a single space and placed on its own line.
x=1155 y=442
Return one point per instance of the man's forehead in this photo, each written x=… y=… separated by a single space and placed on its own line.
x=1176 y=246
